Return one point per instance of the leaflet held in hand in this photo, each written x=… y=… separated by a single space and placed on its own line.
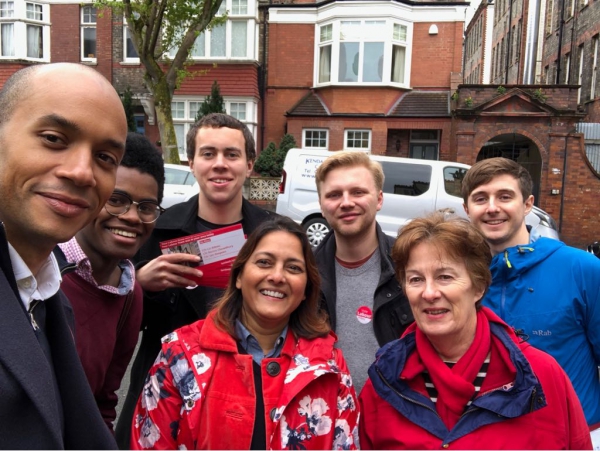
x=217 y=250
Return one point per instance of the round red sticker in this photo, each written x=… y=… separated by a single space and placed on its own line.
x=364 y=314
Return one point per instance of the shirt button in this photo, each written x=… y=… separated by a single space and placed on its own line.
x=389 y=295
x=26 y=283
x=445 y=445
x=272 y=413
x=273 y=369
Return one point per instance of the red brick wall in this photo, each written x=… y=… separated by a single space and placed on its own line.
x=578 y=196
x=233 y=79
x=360 y=99
x=65 y=33
x=104 y=41
x=291 y=55
x=434 y=57
x=6 y=70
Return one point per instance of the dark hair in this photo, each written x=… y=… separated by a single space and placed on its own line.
x=141 y=154
x=219 y=120
x=456 y=236
x=307 y=320
x=484 y=171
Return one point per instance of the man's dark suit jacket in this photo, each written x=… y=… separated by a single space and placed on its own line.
x=29 y=415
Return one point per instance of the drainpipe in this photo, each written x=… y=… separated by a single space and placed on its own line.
x=562 y=194
x=263 y=74
x=509 y=46
x=560 y=38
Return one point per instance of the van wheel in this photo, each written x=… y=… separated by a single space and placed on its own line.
x=316 y=229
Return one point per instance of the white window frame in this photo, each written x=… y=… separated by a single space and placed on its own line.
x=334 y=41
x=126 y=58
x=594 y=67
x=580 y=74
x=567 y=67
x=21 y=17
x=235 y=14
x=357 y=130
x=7 y=14
x=88 y=25
x=190 y=109
x=305 y=131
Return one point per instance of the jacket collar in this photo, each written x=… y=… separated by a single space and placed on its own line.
x=183 y=216
x=511 y=403
x=5 y=262
x=518 y=259
x=325 y=255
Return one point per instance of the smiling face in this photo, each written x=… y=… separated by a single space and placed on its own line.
x=58 y=162
x=498 y=210
x=350 y=201
x=220 y=165
x=272 y=283
x=111 y=238
x=442 y=298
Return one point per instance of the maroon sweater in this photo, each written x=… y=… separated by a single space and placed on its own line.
x=104 y=355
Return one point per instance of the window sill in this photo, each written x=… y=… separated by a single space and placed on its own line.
x=130 y=63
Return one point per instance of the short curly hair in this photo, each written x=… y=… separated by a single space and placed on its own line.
x=141 y=154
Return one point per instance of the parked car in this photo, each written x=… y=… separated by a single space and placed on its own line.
x=412 y=188
x=180 y=184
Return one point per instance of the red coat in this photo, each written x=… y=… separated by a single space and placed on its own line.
x=200 y=394
x=537 y=409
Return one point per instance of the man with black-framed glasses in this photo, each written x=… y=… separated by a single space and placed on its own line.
x=99 y=278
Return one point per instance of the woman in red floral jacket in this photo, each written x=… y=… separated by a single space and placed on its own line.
x=261 y=371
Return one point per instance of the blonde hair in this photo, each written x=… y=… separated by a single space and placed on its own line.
x=349 y=159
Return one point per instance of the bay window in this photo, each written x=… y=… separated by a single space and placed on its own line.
x=233 y=39
x=362 y=51
x=24 y=30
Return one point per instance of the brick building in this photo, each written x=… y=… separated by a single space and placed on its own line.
x=373 y=75
x=477 y=55
x=68 y=31
x=542 y=108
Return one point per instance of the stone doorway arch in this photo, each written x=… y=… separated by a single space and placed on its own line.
x=519 y=148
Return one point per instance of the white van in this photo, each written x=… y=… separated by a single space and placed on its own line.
x=412 y=188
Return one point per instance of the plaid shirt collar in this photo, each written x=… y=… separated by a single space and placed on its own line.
x=75 y=254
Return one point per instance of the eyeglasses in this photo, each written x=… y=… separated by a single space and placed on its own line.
x=119 y=203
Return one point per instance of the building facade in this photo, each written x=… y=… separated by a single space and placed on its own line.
x=372 y=75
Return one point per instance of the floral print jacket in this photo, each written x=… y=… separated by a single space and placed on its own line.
x=199 y=394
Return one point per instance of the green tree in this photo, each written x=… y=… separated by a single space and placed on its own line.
x=270 y=161
x=213 y=103
x=127 y=100
x=156 y=27
x=267 y=162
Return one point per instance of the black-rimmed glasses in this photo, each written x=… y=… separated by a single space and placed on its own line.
x=119 y=203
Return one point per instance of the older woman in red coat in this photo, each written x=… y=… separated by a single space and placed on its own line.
x=261 y=371
x=460 y=378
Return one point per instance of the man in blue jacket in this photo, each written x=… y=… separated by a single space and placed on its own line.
x=547 y=291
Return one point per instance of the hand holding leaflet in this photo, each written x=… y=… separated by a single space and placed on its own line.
x=217 y=250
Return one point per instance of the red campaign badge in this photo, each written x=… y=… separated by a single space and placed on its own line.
x=364 y=314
